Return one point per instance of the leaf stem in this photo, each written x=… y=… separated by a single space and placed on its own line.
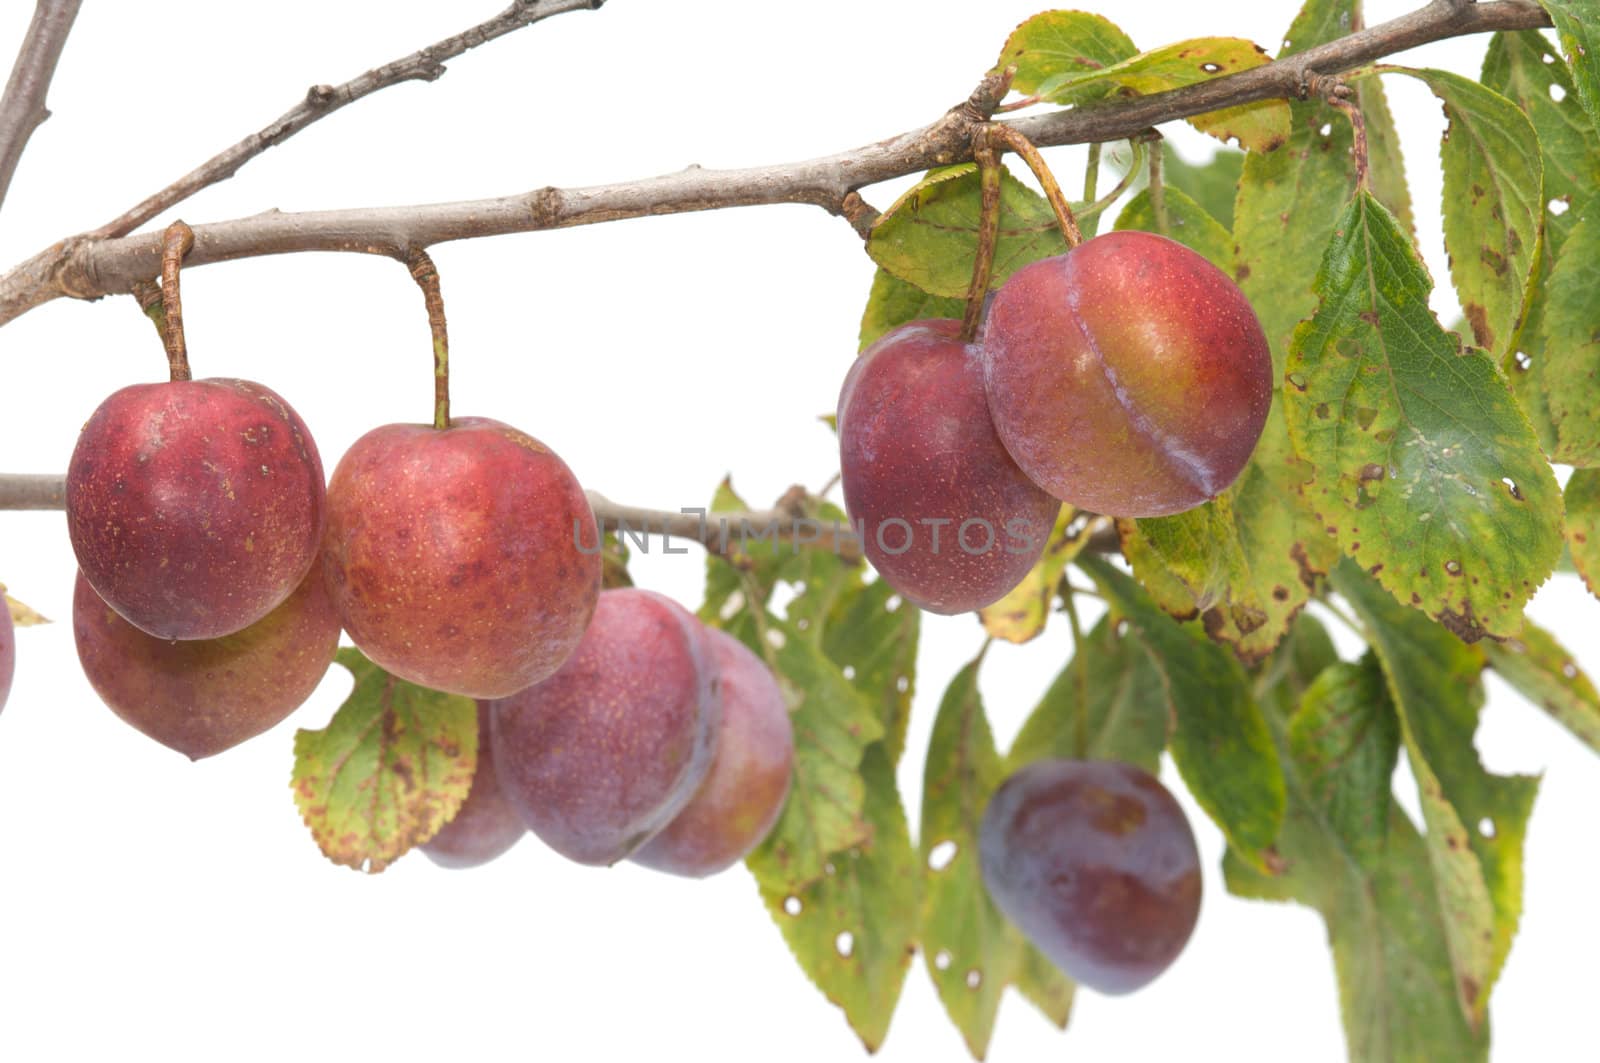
x=1158 y=188
x=1337 y=96
x=1080 y=673
x=426 y=275
x=989 y=173
x=175 y=243
x=1013 y=140
x=1091 y=186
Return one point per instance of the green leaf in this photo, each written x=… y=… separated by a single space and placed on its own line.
x=892 y=302
x=1542 y=671
x=1107 y=704
x=1042 y=984
x=1583 y=525
x=1571 y=362
x=1493 y=204
x=1213 y=184
x=1219 y=740
x=871 y=892
x=1257 y=126
x=1397 y=996
x=1578 y=28
x=1062 y=42
x=929 y=237
x=834 y=723
x=971 y=950
x=1345 y=741
x=1426 y=469
x=1476 y=821
x=391 y=768
x=876 y=647
x=1020 y=616
x=1187 y=222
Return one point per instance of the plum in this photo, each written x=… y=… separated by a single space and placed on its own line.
x=485 y=825
x=202 y=696
x=606 y=752
x=1128 y=376
x=945 y=515
x=744 y=790
x=457 y=558
x=195 y=507
x=1096 y=865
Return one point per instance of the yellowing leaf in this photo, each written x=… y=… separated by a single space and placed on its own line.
x=390 y=769
x=1055 y=43
x=1020 y=616
x=23 y=615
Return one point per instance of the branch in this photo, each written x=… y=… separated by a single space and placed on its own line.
x=322 y=100
x=88 y=268
x=22 y=108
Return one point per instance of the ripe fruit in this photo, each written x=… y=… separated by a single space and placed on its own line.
x=1128 y=376
x=744 y=790
x=603 y=754
x=486 y=825
x=452 y=555
x=1095 y=863
x=195 y=507
x=8 y=651
x=202 y=696
x=945 y=514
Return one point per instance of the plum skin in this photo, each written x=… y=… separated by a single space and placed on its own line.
x=452 y=555
x=744 y=790
x=203 y=696
x=1095 y=863
x=1128 y=376
x=485 y=825
x=606 y=752
x=195 y=507
x=916 y=447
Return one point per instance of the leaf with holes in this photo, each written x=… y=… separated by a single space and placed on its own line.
x=854 y=929
x=1476 y=820
x=893 y=302
x=1062 y=42
x=391 y=768
x=1397 y=997
x=1542 y=671
x=1572 y=341
x=1020 y=616
x=1219 y=740
x=1578 y=28
x=1583 y=525
x=1107 y=704
x=1187 y=222
x=1345 y=742
x=1493 y=204
x=1258 y=126
x=972 y=950
x=875 y=648
x=930 y=236
x=834 y=723
x=1426 y=469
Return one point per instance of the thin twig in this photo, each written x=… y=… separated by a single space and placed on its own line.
x=88 y=268
x=322 y=100
x=22 y=107
x=426 y=274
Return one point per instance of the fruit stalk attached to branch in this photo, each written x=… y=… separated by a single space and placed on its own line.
x=175 y=243
x=426 y=275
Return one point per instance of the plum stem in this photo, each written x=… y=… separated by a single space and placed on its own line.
x=426 y=275
x=1158 y=189
x=988 y=233
x=175 y=243
x=1011 y=139
x=1091 y=186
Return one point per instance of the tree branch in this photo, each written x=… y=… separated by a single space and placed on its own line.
x=88 y=268
x=322 y=100
x=22 y=107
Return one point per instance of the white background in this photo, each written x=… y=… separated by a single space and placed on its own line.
x=149 y=906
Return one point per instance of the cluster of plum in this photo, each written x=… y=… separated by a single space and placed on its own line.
x=1128 y=377
x=216 y=572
